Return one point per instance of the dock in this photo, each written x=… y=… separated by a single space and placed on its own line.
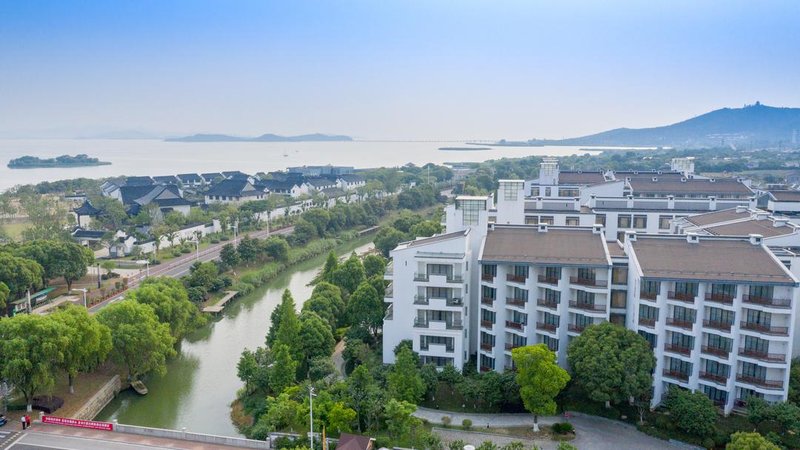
x=216 y=309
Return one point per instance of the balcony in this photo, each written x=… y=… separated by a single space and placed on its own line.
x=760 y=382
x=510 y=346
x=717 y=325
x=421 y=300
x=576 y=328
x=389 y=269
x=647 y=295
x=766 y=329
x=487 y=300
x=487 y=277
x=682 y=296
x=448 y=324
x=451 y=301
x=587 y=306
x=516 y=278
x=762 y=356
x=551 y=327
x=676 y=375
x=447 y=348
x=514 y=325
x=389 y=313
x=486 y=347
x=716 y=351
x=680 y=323
x=715 y=377
x=766 y=301
x=518 y=302
x=675 y=348
x=588 y=282
x=726 y=299
x=647 y=322
x=420 y=277
x=552 y=304
x=488 y=324
x=547 y=280
x=485 y=369
x=389 y=293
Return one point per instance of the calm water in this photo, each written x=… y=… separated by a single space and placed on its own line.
x=156 y=157
x=201 y=382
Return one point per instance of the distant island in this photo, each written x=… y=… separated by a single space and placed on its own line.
x=505 y=143
x=316 y=137
x=464 y=149
x=33 y=162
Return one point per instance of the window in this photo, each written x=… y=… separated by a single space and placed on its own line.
x=640 y=222
x=568 y=192
x=551 y=319
x=516 y=340
x=547 y=192
x=509 y=191
x=718 y=396
x=573 y=221
x=552 y=273
x=552 y=296
x=587 y=274
x=438 y=292
x=683 y=314
x=488 y=292
x=582 y=321
x=686 y=289
x=758 y=291
x=680 y=366
x=756 y=345
x=648 y=312
x=682 y=340
x=583 y=298
x=490 y=270
x=758 y=317
x=547 y=220
x=487 y=339
x=722 y=316
x=601 y=219
x=440 y=269
x=488 y=316
x=534 y=191
x=717 y=368
x=519 y=294
x=650 y=337
x=754 y=371
x=621 y=236
x=663 y=222
x=723 y=290
x=471 y=209
x=487 y=363
x=624 y=221
x=518 y=317
x=531 y=220
x=718 y=342
x=619 y=275
x=619 y=299
x=550 y=342
x=617 y=319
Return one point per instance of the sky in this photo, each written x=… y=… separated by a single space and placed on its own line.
x=385 y=69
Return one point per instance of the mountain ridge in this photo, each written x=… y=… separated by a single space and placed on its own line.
x=267 y=137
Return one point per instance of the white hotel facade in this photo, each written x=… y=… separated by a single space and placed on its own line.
x=719 y=310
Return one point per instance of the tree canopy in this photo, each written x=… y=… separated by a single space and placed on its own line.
x=540 y=379
x=170 y=302
x=88 y=343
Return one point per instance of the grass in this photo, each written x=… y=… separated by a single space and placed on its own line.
x=15 y=229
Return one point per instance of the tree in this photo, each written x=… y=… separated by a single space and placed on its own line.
x=315 y=337
x=31 y=347
x=319 y=218
x=229 y=256
x=341 y=418
x=19 y=274
x=321 y=368
x=283 y=368
x=48 y=217
x=283 y=412
x=74 y=259
x=540 y=379
x=88 y=342
x=404 y=380
x=374 y=265
x=399 y=419
x=277 y=248
x=4 y=294
x=611 y=363
x=246 y=370
x=248 y=249
x=692 y=412
x=360 y=385
x=430 y=376
x=303 y=232
x=331 y=264
x=366 y=309
x=203 y=275
x=426 y=228
x=170 y=302
x=139 y=340
x=750 y=441
x=288 y=330
x=349 y=275
x=108 y=266
x=794 y=382
x=387 y=239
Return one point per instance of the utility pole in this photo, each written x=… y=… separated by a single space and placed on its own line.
x=98 y=275
x=311 y=396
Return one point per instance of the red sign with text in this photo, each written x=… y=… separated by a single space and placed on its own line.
x=105 y=426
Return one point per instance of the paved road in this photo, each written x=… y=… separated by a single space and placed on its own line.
x=181 y=266
x=7 y=435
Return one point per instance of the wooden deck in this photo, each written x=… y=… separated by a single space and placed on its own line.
x=216 y=309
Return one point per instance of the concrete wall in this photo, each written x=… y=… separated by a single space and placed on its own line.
x=188 y=436
x=99 y=400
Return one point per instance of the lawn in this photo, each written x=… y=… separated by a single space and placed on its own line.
x=15 y=229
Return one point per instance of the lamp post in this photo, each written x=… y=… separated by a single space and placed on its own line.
x=311 y=396
x=98 y=275
x=197 y=249
x=85 y=305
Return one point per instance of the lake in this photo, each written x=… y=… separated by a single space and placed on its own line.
x=157 y=157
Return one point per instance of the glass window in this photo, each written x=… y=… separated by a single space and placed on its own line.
x=550 y=342
x=754 y=344
x=521 y=271
x=686 y=288
x=650 y=337
x=624 y=221
x=601 y=219
x=721 y=316
x=440 y=269
x=717 y=368
x=534 y=191
x=531 y=220
x=585 y=273
x=682 y=340
x=758 y=317
x=648 y=312
x=759 y=291
x=552 y=272
x=639 y=222
x=487 y=338
x=509 y=190
x=573 y=221
x=583 y=321
x=651 y=287
x=754 y=370
x=723 y=290
x=679 y=365
x=584 y=298
x=490 y=269
x=551 y=319
x=471 y=209
x=683 y=314
x=487 y=363
x=489 y=292
x=619 y=275
x=488 y=315
x=547 y=220
x=717 y=341
x=617 y=319
x=663 y=222
x=552 y=296
x=619 y=299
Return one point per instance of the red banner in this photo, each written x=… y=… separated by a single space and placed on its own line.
x=105 y=426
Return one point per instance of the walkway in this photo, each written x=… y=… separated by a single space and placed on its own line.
x=593 y=433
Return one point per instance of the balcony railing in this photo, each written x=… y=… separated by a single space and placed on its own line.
x=676 y=374
x=546 y=326
x=514 y=325
x=420 y=300
x=487 y=324
x=389 y=269
x=682 y=296
x=715 y=377
x=588 y=282
x=716 y=351
x=487 y=300
x=389 y=313
x=719 y=298
x=576 y=328
x=450 y=301
x=547 y=280
x=587 y=306
x=487 y=277
x=674 y=348
x=447 y=348
x=766 y=329
x=767 y=301
x=449 y=324
x=680 y=323
x=486 y=369
x=520 y=302
x=647 y=295
x=762 y=356
x=512 y=346
x=516 y=278
x=717 y=325
x=485 y=346
x=647 y=322
x=761 y=382
x=420 y=277
x=547 y=303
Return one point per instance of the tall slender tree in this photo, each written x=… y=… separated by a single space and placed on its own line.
x=540 y=379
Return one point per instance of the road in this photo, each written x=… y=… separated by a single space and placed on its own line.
x=181 y=265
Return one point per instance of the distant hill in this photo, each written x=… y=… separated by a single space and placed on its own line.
x=316 y=137
x=754 y=124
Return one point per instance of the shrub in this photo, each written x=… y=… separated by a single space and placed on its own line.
x=176 y=253
x=456 y=445
x=214 y=241
x=562 y=428
x=446 y=420
x=224 y=238
x=185 y=250
x=466 y=423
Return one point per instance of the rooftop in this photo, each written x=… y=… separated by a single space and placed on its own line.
x=671 y=185
x=709 y=259
x=785 y=196
x=724 y=215
x=556 y=245
x=581 y=178
x=766 y=228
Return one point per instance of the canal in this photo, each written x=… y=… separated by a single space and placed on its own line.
x=201 y=381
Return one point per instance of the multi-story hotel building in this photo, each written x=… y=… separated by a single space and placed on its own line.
x=717 y=304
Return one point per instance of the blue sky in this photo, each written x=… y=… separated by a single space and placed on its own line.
x=389 y=69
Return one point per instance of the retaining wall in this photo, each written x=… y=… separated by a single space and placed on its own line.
x=189 y=436
x=99 y=400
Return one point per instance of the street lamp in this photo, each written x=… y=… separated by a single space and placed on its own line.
x=146 y=263
x=311 y=396
x=85 y=305
x=197 y=249
x=98 y=275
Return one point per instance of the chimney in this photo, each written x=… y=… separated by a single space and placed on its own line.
x=670 y=201
x=711 y=180
x=756 y=239
x=630 y=236
x=692 y=237
x=576 y=204
x=761 y=215
x=741 y=209
x=712 y=203
x=597 y=228
x=655 y=179
x=683 y=180
x=592 y=200
x=629 y=204
x=539 y=203
x=542 y=228
x=780 y=222
x=751 y=203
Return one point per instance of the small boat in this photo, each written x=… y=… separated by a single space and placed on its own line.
x=139 y=387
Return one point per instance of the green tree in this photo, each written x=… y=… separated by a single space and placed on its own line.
x=303 y=232
x=750 y=441
x=360 y=385
x=19 y=274
x=340 y=418
x=331 y=264
x=113 y=215
x=540 y=379
x=387 y=239
x=283 y=368
x=399 y=419
x=88 y=342
x=170 y=301
x=248 y=249
x=277 y=248
x=374 y=265
x=108 y=266
x=404 y=380
x=74 y=260
x=139 y=340
x=4 y=294
x=283 y=412
x=246 y=370
x=319 y=218
x=288 y=331
x=794 y=382
x=316 y=338
x=426 y=228
x=349 y=275
x=31 y=348
x=203 y=274
x=229 y=256
x=430 y=376
x=611 y=363
x=692 y=412
x=48 y=217
x=366 y=309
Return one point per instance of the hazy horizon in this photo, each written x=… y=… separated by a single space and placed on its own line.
x=387 y=70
